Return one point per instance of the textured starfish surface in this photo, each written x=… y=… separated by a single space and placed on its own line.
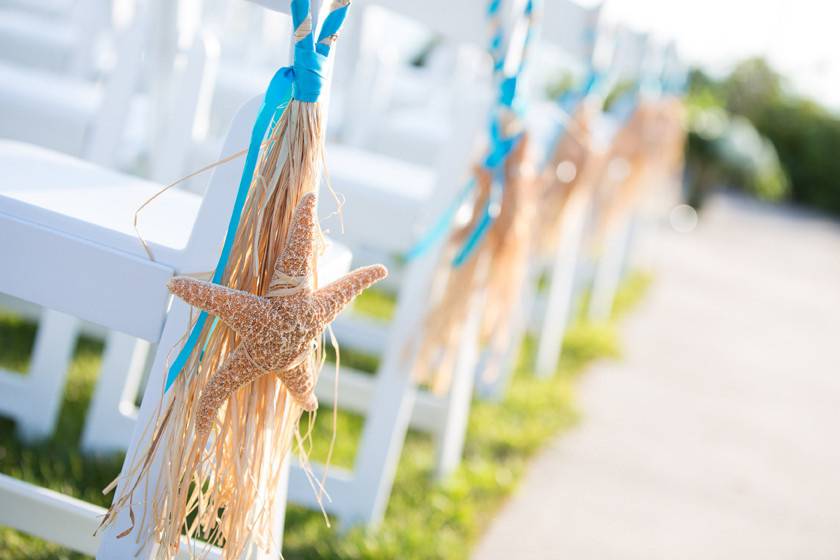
x=276 y=331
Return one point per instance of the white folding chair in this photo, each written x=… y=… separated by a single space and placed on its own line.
x=75 y=251
x=637 y=56
x=611 y=52
x=124 y=355
x=576 y=32
x=53 y=36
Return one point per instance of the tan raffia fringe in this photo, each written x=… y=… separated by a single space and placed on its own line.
x=220 y=487
x=650 y=146
x=497 y=269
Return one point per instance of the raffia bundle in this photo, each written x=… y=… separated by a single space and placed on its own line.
x=220 y=486
x=648 y=150
x=628 y=169
x=570 y=173
x=496 y=270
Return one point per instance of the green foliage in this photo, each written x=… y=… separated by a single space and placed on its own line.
x=564 y=83
x=804 y=136
x=726 y=148
x=807 y=138
x=425 y=519
x=750 y=87
x=376 y=303
x=618 y=92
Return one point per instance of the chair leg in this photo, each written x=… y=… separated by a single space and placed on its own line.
x=44 y=385
x=559 y=307
x=112 y=413
x=608 y=274
x=450 y=441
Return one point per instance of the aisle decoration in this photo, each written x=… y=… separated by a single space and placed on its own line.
x=237 y=387
x=488 y=254
x=646 y=153
x=573 y=165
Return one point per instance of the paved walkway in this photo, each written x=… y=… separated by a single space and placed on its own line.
x=718 y=434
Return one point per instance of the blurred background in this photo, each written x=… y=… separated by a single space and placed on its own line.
x=705 y=423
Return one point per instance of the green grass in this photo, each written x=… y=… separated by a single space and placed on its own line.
x=425 y=519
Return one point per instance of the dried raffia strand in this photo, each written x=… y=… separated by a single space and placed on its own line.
x=497 y=270
x=652 y=143
x=557 y=194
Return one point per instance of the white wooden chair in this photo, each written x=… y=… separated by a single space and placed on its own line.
x=34 y=106
x=637 y=56
x=616 y=54
x=578 y=32
x=75 y=251
x=53 y=36
x=399 y=194
x=58 y=332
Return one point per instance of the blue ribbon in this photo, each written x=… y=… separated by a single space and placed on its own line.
x=500 y=147
x=441 y=227
x=488 y=214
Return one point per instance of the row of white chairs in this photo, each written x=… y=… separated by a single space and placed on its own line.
x=80 y=259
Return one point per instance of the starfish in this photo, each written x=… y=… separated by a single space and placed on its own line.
x=278 y=330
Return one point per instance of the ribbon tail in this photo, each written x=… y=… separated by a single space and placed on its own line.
x=440 y=228
x=475 y=237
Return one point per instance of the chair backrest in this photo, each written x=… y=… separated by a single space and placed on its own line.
x=571 y=27
x=278 y=5
x=88 y=17
x=208 y=232
x=107 y=130
x=629 y=54
x=461 y=21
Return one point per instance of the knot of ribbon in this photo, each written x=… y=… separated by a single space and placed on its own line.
x=505 y=130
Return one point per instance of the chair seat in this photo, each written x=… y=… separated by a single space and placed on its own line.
x=415 y=135
x=72 y=196
x=78 y=218
x=384 y=196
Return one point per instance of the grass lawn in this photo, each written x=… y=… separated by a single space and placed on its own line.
x=424 y=519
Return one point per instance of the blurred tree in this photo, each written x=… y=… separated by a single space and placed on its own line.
x=805 y=136
x=751 y=88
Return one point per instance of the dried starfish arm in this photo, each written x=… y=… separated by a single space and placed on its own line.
x=300 y=384
x=295 y=263
x=333 y=297
x=235 y=372
x=234 y=307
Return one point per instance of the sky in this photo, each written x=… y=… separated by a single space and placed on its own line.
x=801 y=38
